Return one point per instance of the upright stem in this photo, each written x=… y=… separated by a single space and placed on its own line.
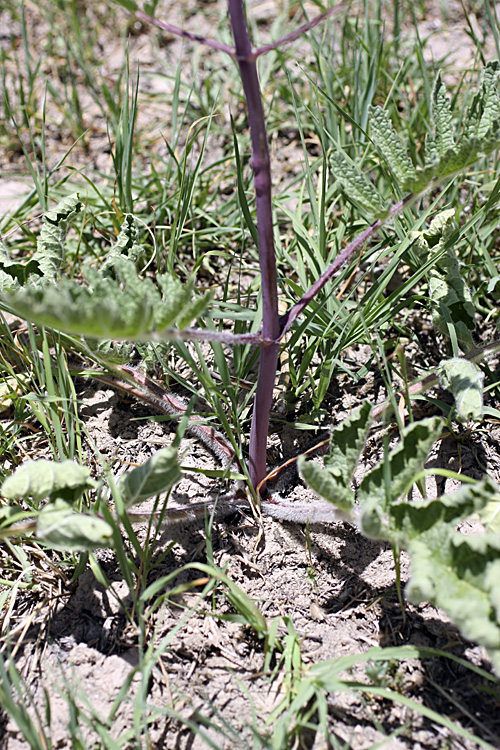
x=261 y=166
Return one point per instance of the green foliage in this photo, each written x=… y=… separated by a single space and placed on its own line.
x=348 y=439
x=450 y=297
x=466 y=382
x=444 y=154
x=46 y=480
x=113 y=302
x=127 y=243
x=459 y=574
x=63 y=484
x=50 y=251
x=393 y=477
x=358 y=187
x=61 y=528
x=390 y=146
x=157 y=475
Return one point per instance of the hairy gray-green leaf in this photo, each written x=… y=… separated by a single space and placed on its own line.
x=127 y=244
x=347 y=442
x=116 y=352
x=434 y=237
x=123 y=307
x=458 y=573
x=390 y=146
x=466 y=382
x=61 y=528
x=442 y=116
x=157 y=475
x=439 y=577
x=43 y=479
x=413 y=518
x=484 y=114
x=325 y=484
x=451 y=300
x=356 y=184
x=393 y=477
x=50 y=246
x=449 y=295
x=333 y=482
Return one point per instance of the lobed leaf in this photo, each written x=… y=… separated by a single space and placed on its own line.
x=393 y=477
x=157 y=475
x=466 y=382
x=390 y=145
x=484 y=113
x=326 y=485
x=443 y=141
x=356 y=184
x=449 y=295
x=333 y=481
x=124 y=307
x=50 y=246
x=461 y=573
x=127 y=243
x=44 y=479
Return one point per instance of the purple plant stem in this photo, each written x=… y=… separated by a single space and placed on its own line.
x=213 y=43
x=261 y=166
x=288 y=319
x=297 y=33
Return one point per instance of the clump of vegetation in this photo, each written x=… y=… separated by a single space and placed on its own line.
x=108 y=303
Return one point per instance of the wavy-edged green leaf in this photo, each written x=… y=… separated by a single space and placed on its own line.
x=466 y=382
x=50 y=246
x=326 y=485
x=484 y=113
x=449 y=295
x=456 y=572
x=333 y=481
x=438 y=231
x=59 y=526
x=402 y=463
x=115 y=352
x=178 y=297
x=436 y=578
x=127 y=243
x=347 y=442
x=451 y=301
x=438 y=144
x=124 y=307
x=390 y=145
x=393 y=477
x=44 y=479
x=490 y=515
x=157 y=475
x=413 y=518
x=104 y=310
x=356 y=184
